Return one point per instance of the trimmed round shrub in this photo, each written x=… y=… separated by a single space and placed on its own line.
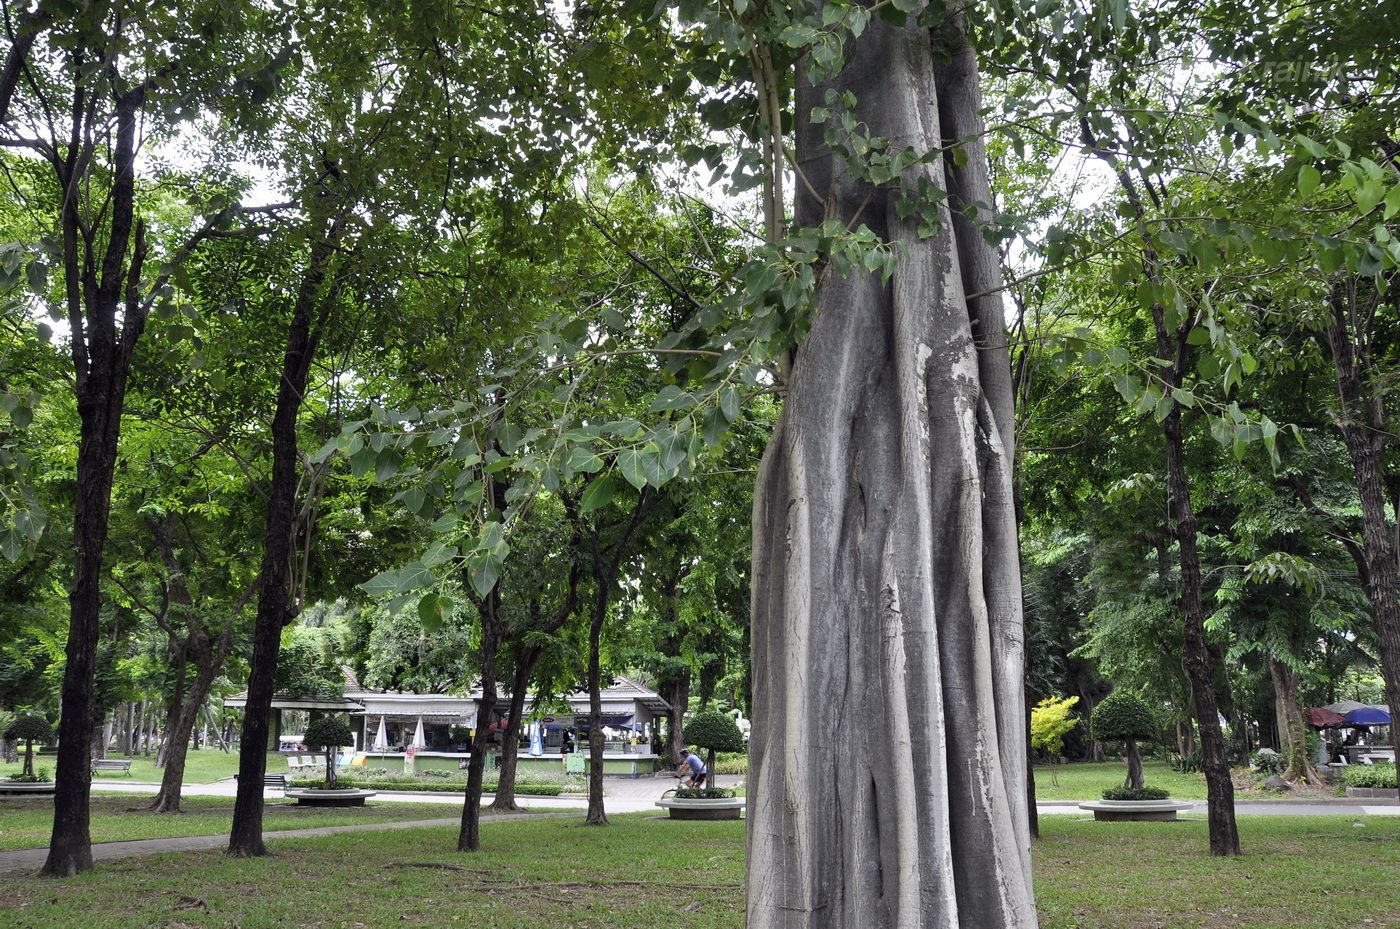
x=1135 y=793
x=28 y=728
x=714 y=732
x=1123 y=716
x=328 y=733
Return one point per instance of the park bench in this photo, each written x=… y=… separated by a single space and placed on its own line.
x=276 y=781
x=112 y=764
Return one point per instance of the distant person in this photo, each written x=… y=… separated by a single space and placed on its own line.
x=693 y=770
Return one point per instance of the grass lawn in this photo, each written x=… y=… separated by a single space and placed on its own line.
x=25 y=822
x=1083 y=780
x=201 y=767
x=641 y=873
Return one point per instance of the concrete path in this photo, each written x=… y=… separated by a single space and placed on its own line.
x=620 y=794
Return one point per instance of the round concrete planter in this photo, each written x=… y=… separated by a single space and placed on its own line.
x=1134 y=810
x=26 y=788
x=726 y=808
x=319 y=796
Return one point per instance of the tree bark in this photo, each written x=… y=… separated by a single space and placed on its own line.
x=1134 y=761
x=1362 y=423
x=675 y=690
x=1220 y=790
x=888 y=756
x=504 y=800
x=608 y=557
x=275 y=606
x=102 y=360
x=597 y=813
x=1293 y=728
x=197 y=648
x=469 y=834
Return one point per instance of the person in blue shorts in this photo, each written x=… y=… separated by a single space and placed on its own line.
x=693 y=770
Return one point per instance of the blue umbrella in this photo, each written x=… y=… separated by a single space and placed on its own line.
x=1368 y=716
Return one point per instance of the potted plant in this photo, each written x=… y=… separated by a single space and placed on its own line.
x=711 y=732
x=329 y=733
x=1124 y=717
x=29 y=728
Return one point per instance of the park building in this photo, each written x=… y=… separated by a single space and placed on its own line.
x=423 y=732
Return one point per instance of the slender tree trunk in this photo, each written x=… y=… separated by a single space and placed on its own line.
x=888 y=756
x=597 y=814
x=275 y=606
x=178 y=731
x=469 y=834
x=1220 y=790
x=102 y=361
x=28 y=757
x=504 y=801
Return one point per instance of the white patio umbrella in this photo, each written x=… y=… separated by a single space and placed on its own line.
x=381 y=738
x=418 y=740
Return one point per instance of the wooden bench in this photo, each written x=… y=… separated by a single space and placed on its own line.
x=112 y=764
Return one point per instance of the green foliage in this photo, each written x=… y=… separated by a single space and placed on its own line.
x=1267 y=761
x=1138 y=793
x=1122 y=715
x=1051 y=721
x=328 y=732
x=714 y=731
x=1190 y=763
x=732 y=763
x=704 y=793
x=1369 y=775
x=29 y=727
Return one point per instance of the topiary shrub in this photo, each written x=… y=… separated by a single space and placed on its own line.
x=328 y=733
x=1135 y=793
x=714 y=732
x=1124 y=716
x=29 y=728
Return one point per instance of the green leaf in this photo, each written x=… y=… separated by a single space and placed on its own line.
x=629 y=462
x=1308 y=180
x=599 y=493
x=729 y=399
x=431 y=612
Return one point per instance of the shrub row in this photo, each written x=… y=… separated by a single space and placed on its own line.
x=1369 y=775
x=1142 y=793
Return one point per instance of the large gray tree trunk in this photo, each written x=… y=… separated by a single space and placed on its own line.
x=888 y=757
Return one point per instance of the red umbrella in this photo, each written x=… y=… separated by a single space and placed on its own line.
x=1325 y=719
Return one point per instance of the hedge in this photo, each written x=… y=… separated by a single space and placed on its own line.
x=1369 y=775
